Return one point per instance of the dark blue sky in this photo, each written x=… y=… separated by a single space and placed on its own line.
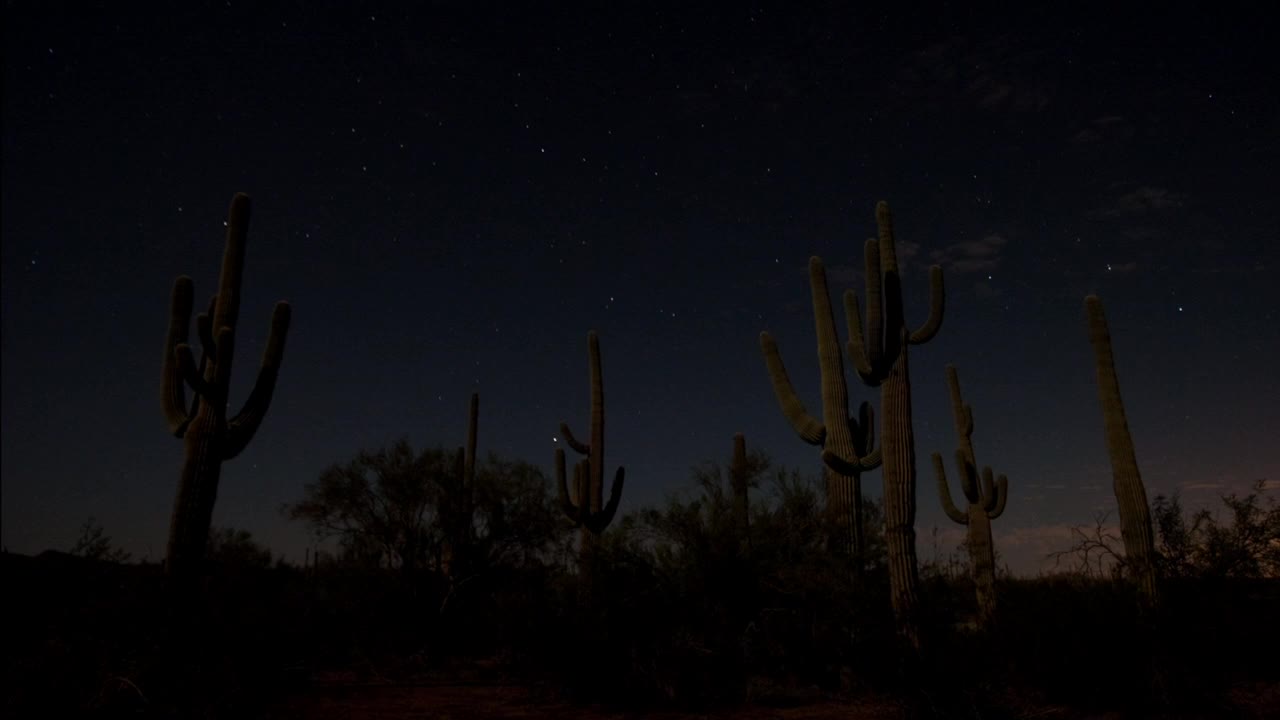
x=452 y=199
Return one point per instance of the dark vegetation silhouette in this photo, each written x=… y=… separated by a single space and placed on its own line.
x=757 y=585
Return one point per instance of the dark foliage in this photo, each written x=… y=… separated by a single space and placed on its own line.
x=678 y=610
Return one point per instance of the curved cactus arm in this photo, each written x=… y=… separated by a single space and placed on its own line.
x=856 y=346
x=960 y=412
x=573 y=442
x=968 y=476
x=190 y=373
x=566 y=503
x=944 y=492
x=224 y=350
x=582 y=488
x=241 y=428
x=597 y=522
x=173 y=397
x=995 y=502
x=845 y=466
x=806 y=426
x=937 y=305
x=864 y=429
x=204 y=326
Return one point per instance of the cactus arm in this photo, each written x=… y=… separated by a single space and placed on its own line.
x=596 y=522
x=937 y=304
x=857 y=347
x=849 y=467
x=968 y=476
x=204 y=326
x=865 y=427
x=173 y=397
x=944 y=493
x=190 y=373
x=566 y=503
x=995 y=505
x=473 y=420
x=241 y=428
x=962 y=414
x=572 y=441
x=806 y=426
x=223 y=352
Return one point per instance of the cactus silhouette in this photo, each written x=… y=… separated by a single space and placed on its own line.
x=846 y=441
x=739 y=479
x=459 y=502
x=1131 y=496
x=986 y=501
x=587 y=509
x=881 y=360
x=210 y=438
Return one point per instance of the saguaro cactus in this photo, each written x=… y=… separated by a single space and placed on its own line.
x=846 y=441
x=209 y=437
x=460 y=501
x=586 y=508
x=739 y=476
x=986 y=501
x=881 y=360
x=1135 y=514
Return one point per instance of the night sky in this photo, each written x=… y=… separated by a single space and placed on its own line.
x=452 y=199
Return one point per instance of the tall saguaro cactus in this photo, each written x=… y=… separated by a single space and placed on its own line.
x=986 y=501
x=209 y=437
x=587 y=508
x=739 y=478
x=460 y=502
x=846 y=441
x=1135 y=514
x=881 y=360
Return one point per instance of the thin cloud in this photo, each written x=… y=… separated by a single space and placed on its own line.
x=971 y=255
x=1145 y=199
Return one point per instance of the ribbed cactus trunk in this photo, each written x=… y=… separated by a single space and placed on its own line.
x=460 y=504
x=898 y=452
x=982 y=555
x=209 y=438
x=738 y=478
x=880 y=358
x=1131 y=495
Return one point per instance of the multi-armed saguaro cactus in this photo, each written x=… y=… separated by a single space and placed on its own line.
x=459 y=502
x=986 y=501
x=587 y=509
x=739 y=478
x=209 y=437
x=881 y=360
x=846 y=441
x=1135 y=515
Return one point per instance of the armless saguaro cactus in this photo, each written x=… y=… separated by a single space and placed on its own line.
x=986 y=502
x=209 y=437
x=587 y=508
x=846 y=441
x=739 y=477
x=460 y=502
x=881 y=360
x=1135 y=514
